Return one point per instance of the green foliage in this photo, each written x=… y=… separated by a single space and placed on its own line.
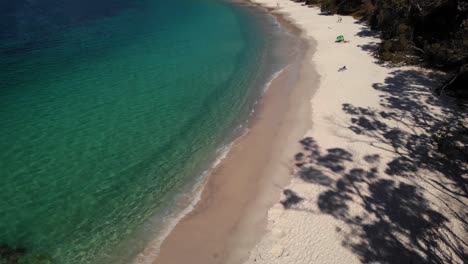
x=328 y=5
x=312 y=2
x=397 y=6
x=413 y=28
x=344 y=7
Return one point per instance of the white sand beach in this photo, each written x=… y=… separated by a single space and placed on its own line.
x=375 y=163
x=372 y=184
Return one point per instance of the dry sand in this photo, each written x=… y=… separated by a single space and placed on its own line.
x=231 y=214
x=372 y=185
x=369 y=183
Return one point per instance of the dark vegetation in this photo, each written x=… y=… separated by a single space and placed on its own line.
x=13 y=255
x=396 y=221
x=431 y=32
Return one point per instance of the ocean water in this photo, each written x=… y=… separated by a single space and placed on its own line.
x=110 y=109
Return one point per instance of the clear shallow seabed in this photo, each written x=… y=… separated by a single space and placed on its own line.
x=111 y=108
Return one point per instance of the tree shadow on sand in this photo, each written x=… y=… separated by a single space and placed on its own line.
x=385 y=200
x=422 y=131
x=365 y=30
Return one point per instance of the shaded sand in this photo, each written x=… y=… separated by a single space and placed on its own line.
x=382 y=175
x=231 y=213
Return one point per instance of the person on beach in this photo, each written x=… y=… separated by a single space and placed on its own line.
x=342 y=69
x=339 y=19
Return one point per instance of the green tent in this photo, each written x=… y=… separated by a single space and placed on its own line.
x=340 y=38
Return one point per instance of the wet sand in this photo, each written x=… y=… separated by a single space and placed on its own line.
x=231 y=215
x=353 y=200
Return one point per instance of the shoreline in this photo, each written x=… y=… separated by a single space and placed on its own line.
x=238 y=236
x=152 y=250
x=352 y=199
x=327 y=193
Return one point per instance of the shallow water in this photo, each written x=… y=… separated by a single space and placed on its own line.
x=109 y=109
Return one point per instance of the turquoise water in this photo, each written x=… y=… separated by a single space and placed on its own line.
x=108 y=110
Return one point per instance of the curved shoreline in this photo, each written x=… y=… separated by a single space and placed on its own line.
x=245 y=184
x=352 y=200
x=149 y=254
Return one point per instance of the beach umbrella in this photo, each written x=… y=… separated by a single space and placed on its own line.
x=340 y=38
